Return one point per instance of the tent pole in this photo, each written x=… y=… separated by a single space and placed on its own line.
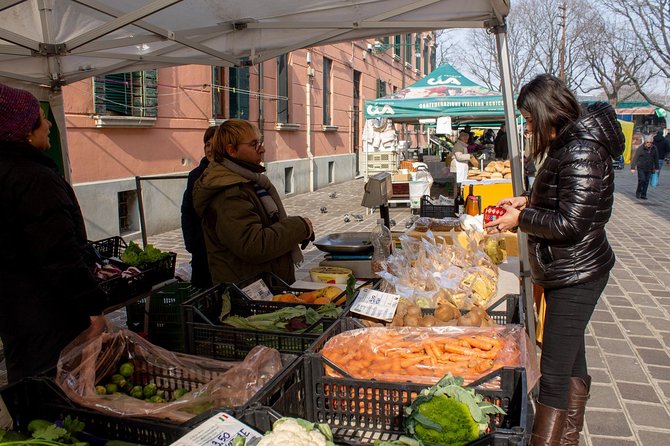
x=517 y=175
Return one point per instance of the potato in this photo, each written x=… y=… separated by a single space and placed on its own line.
x=471 y=319
x=397 y=321
x=401 y=309
x=411 y=320
x=446 y=312
x=414 y=310
x=427 y=321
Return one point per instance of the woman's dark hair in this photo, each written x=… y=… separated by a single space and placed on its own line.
x=551 y=105
x=209 y=133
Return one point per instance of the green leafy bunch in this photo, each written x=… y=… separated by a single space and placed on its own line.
x=448 y=414
x=46 y=433
x=138 y=257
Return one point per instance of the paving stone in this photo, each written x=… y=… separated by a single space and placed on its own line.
x=659 y=324
x=619 y=301
x=657 y=372
x=665 y=388
x=606 y=330
x=650 y=311
x=653 y=438
x=599 y=375
x=608 y=423
x=642 y=341
x=603 y=397
x=654 y=356
x=660 y=293
x=594 y=357
x=626 y=313
x=615 y=347
x=631 y=286
x=606 y=441
x=602 y=316
x=624 y=370
x=636 y=328
x=648 y=415
x=638 y=392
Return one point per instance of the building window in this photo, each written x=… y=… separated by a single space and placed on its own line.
x=218 y=93
x=238 y=92
x=288 y=180
x=331 y=172
x=128 y=212
x=381 y=88
x=426 y=59
x=282 y=89
x=433 y=59
x=127 y=94
x=408 y=48
x=417 y=52
x=397 y=44
x=327 y=85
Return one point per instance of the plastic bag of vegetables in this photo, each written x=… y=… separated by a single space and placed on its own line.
x=447 y=414
x=294 y=432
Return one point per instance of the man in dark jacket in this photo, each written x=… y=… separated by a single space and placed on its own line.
x=663 y=147
x=49 y=293
x=645 y=161
x=500 y=143
x=191 y=226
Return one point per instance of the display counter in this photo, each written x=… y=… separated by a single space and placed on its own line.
x=491 y=191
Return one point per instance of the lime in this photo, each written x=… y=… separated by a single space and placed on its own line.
x=117 y=378
x=156 y=399
x=111 y=388
x=178 y=393
x=127 y=369
x=100 y=390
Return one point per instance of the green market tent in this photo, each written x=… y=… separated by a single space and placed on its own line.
x=443 y=92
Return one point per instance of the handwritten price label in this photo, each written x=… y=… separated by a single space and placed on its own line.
x=375 y=304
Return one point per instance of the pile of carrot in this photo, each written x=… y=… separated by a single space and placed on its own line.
x=421 y=356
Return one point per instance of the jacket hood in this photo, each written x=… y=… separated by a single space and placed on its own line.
x=598 y=124
x=659 y=136
x=213 y=180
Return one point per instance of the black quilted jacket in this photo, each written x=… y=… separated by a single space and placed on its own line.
x=571 y=201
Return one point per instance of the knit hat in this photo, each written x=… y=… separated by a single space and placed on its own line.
x=19 y=111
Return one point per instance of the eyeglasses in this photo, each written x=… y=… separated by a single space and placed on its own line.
x=255 y=144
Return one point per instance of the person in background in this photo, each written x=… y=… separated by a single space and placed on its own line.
x=564 y=217
x=489 y=137
x=245 y=225
x=645 y=162
x=459 y=163
x=191 y=227
x=49 y=292
x=500 y=143
x=663 y=148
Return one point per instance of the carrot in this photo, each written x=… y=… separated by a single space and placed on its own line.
x=409 y=362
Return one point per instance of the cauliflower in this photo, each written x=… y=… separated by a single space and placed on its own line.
x=295 y=432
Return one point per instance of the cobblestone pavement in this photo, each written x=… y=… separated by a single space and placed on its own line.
x=628 y=339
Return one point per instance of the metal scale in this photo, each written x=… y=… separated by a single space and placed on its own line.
x=353 y=250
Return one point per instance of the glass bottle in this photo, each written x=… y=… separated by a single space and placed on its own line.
x=460 y=202
x=472 y=203
x=381 y=242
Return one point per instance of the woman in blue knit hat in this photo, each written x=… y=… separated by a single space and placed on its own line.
x=49 y=292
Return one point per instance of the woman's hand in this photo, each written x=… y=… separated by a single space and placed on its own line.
x=516 y=202
x=506 y=222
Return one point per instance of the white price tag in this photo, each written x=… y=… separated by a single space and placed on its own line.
x=375 y=304
x=220 y=430
x=258 y=291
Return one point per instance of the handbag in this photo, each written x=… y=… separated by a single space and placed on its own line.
x=653 y=182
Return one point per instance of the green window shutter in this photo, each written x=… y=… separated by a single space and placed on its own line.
x=282 y=88
x=117 y=93
x=150 y=93
x=397 y=45
x=408 y=48
x=239 y=100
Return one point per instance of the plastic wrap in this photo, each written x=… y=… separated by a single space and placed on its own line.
x=432 y=270
x=94 y=356
x=424 y=355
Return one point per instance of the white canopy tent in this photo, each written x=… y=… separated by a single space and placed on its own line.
x=45 y=44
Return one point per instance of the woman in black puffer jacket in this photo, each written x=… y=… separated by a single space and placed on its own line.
x=565 y=216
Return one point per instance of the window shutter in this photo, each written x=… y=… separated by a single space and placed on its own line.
x=117 y=93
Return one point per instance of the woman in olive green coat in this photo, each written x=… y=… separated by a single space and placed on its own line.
x=246 y=227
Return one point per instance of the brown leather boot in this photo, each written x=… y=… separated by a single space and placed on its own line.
x=578 y=395
x=548 y=426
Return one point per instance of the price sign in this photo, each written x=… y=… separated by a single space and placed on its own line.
x=258 y=291
x=220 y=430
x=376 y=304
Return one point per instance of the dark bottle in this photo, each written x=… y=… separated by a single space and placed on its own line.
x=460 y=202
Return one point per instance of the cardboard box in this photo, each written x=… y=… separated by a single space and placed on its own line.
x=399 y=177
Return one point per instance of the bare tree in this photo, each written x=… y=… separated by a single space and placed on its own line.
x=446 y=45
x=612 y=66
x=650 y=22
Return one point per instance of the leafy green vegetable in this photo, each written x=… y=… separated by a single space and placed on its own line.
x=351 y=287
x=447 y=414
x=138 y=257
x=284 y=319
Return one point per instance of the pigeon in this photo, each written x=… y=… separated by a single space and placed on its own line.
x=333 y=195
x=393 y=223
x=346 y=218
x=324 y=210
x=357 y=217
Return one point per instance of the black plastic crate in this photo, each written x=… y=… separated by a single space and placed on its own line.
x=121 y=289
x=206 y=336
x=428 y=209
x=360 y=411
x=41 y=398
